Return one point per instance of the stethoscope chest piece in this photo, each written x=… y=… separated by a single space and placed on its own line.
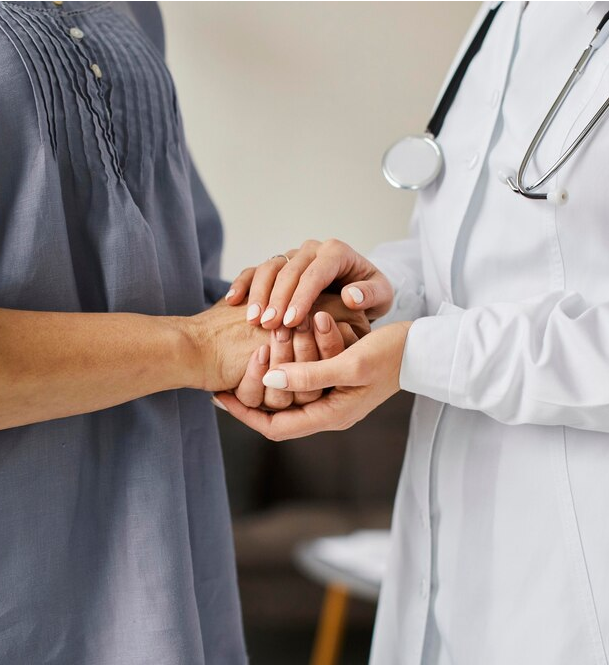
x=413 y=163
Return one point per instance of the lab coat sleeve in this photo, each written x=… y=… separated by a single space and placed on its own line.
x=542 y=361
x=400 y=261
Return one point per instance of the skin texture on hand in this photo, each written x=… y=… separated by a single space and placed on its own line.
x=284 y=292
x=221 y=343
x=363 y=376
x=320 y=339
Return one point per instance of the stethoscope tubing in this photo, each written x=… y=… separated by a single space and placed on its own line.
x=517 y=185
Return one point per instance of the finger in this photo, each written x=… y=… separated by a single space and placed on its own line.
x=349 y=368
x=327 y=336
x=261 y=287
x=281 y=352
x=334 y=306
x=240 y=286
x=348 y=335
x=286 y=283
x=305 y=349
x=251 y=389
x=334 y=411
x=318 y=275
x=373 y=295
x=335 y=261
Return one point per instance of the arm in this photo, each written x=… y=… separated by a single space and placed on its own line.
x=544 y=360
x=54 y=365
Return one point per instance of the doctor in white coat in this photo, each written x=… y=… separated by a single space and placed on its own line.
x=500 y=304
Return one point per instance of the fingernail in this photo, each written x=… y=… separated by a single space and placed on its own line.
x=252 y=312
x=263 y=354
x=218 y=404
x=269 y=314
x=356 y=294
x=229 y=294
x=305 y=326
x=289 y=316
x=283 y=334
x=275 y=379
x=322 y=322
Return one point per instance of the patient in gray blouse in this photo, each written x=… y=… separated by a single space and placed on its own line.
x=115 y=540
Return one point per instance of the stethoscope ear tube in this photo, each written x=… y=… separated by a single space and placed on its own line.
x=437 y=120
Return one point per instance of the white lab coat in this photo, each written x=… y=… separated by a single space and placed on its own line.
x=500 y=539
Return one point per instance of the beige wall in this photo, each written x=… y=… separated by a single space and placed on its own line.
x=288 y=108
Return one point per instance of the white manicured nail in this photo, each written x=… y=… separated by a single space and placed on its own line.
x=356 y=295
x=289 y=316
x=218 y=404
x=276 y=379
x=252 y=312
x=229 y=293
x=269 y=314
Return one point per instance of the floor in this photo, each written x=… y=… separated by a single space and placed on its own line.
x=293 y=645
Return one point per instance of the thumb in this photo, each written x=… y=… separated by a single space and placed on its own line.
x=373 y=295
x=312 y=375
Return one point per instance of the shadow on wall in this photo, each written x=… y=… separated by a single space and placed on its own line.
x=285 y=493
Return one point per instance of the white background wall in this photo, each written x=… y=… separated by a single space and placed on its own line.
x=288 y=107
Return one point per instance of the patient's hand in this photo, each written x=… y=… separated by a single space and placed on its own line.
x=316 y=339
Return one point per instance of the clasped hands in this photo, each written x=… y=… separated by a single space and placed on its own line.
x=317 y=308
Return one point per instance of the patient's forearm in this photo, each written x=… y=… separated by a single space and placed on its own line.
x=60 y=364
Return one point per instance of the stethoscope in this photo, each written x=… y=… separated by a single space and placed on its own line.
x=415 y=162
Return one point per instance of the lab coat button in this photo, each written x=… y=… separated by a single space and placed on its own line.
x=495 y=98
x=424 y=590
x=423 y=519
x=76 y=33
x=473 y=160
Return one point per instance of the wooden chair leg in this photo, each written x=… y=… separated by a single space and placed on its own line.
x=331 y=626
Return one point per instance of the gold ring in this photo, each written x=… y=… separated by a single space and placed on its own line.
x=284 y=256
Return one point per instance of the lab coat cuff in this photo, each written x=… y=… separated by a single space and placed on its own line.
x=408 y=301
x=429 y=355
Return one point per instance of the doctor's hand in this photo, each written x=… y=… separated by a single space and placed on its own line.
x=284 y=292
x=363 y=376
x=319 y=338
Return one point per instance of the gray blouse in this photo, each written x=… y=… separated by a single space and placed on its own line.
x=115 y=540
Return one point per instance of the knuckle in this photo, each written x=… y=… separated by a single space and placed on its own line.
x=291 y=271
x=334 y=245
x=310 y=244
x=279 y=400
x=309 y=376
x=304 y=398
x=304 y=345
x=274 y=434
x=249 y=400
